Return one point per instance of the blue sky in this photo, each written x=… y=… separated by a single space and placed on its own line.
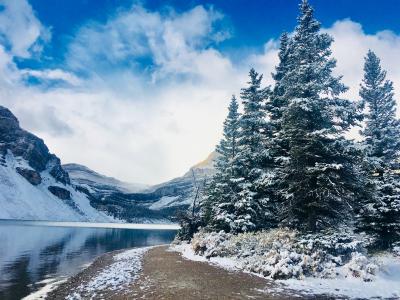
x=138 y=90
x=250 y=22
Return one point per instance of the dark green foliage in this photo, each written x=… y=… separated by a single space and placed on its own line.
x=189 y=223
x=278 y=147
x=380 y=215
x=286 y=161
x=319 y=180
x=382 y=133
x=253 y=207
x=221 y=192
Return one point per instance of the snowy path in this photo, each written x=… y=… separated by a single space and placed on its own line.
x=385 y=286
x=117 y=276
x=168 y=275
x=159 y=273
x=109 y=274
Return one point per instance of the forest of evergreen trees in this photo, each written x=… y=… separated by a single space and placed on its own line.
x=285 y=159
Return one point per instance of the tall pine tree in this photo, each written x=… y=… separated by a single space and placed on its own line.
x=278 y=102
x=278 y=146
x=222 y=191
x=253 y=209
x=321 y=178
x=381 y=214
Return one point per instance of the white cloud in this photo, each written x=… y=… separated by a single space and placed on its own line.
x=350 y=47
x=127 y=123
x=52 y=74
x=8 y=70
x=265 y=63
x=20 y=30
x=149 y=125
x=172 y=43
x=159 y=121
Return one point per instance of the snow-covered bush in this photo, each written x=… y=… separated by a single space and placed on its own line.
x=283 y=253
x=396 y=249
x=210 y=245
x=362 y=267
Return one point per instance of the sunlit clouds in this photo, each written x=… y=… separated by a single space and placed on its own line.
x=141 y=95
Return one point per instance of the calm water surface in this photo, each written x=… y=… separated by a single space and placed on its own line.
x=35 y=253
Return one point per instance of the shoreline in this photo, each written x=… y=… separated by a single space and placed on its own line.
x=162 y=273
x=144 y=226
x=58 y=283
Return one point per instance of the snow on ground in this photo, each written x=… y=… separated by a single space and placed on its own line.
x=187 y=252
x=50 y=284
x=384 y=284
x=122 y=272
x=21 y=200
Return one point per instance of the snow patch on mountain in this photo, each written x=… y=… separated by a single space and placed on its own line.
x=93 y=181
x=19 y=199
x=165 y=201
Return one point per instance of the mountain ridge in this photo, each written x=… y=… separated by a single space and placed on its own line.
x=34 y=185
x=86 y=176
x=161 y=201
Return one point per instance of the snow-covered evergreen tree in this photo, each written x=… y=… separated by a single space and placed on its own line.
x=321 y=178
x=381 y=214
x=227 y=147
x=278 y=102
x=253 y=206
x=222 y=191
x=278 y=146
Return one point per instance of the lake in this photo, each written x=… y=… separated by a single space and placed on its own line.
x=34 y=253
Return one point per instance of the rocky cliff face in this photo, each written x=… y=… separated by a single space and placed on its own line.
x=28 y=147
x=33 y=185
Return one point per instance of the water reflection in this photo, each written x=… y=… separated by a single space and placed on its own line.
x=31 y=254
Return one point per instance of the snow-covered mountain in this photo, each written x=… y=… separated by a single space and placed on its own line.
x=178 y=192
x=98 y=183
x=158 y=203
x=33 y=185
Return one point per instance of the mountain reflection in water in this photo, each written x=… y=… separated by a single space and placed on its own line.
x=32 y=254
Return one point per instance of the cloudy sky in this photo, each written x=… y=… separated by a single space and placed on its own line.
x=138 y=90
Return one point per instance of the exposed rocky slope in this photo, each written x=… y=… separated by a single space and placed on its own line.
x=158 y=203
x=99 y=184
x=33 y=185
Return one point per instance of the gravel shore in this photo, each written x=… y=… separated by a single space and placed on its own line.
x=167 y=275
